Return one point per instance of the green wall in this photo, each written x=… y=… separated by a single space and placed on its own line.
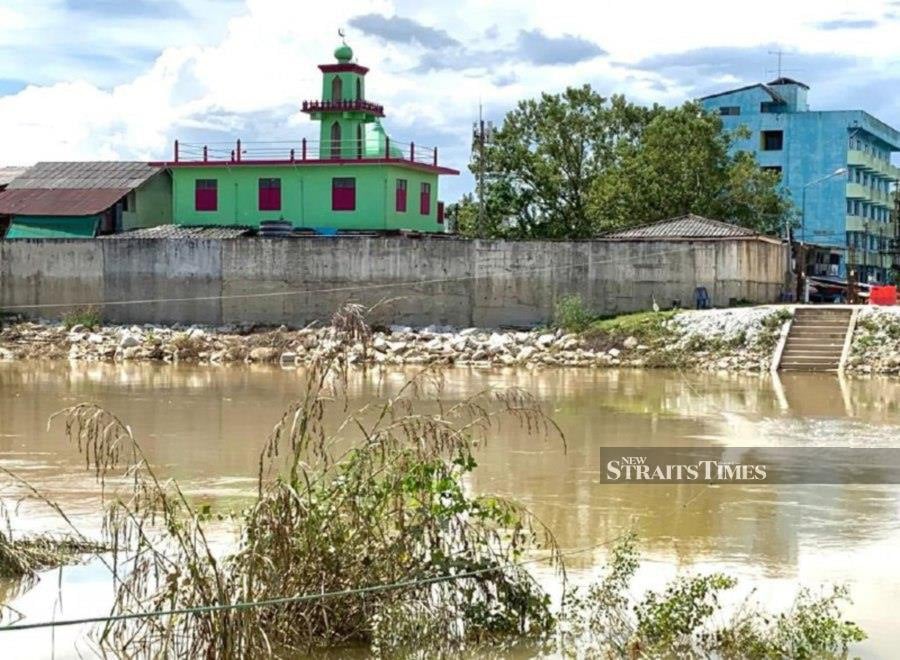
x=50 y=226
x=306 y=196
x=153 y=204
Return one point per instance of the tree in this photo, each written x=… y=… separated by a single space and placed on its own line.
x=680 y=165
x=541 y=164
x=576 y=164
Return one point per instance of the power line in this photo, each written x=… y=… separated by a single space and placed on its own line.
x=298 y=599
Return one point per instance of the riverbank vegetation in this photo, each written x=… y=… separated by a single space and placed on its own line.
x=365 y=534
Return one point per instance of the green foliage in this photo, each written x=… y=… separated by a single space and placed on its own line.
x=576 y=164
x=646 y=326
x=571 y=314
x=89 y=317
x=686 y=619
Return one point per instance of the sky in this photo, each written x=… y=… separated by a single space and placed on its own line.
x=122 y=79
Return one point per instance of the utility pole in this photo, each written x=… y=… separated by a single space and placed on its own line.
x=481 y=134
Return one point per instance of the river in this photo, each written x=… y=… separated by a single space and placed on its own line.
x=204 y=426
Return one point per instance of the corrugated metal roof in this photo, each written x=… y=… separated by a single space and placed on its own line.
x=73 y=202
x=686 y=226
x=175 y=231
x=8 y=173
x=85 y=175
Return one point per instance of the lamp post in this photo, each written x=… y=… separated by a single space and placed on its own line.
x=841 y=171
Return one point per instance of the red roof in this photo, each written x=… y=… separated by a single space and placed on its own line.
x=61 y=202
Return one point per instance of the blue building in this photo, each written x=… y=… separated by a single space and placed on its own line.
x=834 y=164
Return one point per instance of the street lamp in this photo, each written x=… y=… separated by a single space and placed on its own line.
x=841 y=171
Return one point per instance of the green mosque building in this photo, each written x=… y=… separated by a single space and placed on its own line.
x=354 y=177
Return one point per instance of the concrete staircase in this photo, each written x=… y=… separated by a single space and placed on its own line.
x=816 y=339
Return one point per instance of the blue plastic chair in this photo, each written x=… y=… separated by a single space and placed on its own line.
x=701 y=297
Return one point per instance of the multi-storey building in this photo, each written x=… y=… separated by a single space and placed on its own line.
x=353 y=177
x=834 y=164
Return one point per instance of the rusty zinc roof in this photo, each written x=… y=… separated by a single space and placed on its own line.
x=71 y=202
x=686 y=226
x=72 y=188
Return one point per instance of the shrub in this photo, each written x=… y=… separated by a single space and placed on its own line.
x=571 y=315
x=89 y=317
x=646 y=326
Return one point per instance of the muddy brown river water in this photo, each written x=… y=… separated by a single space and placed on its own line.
x=204 y=426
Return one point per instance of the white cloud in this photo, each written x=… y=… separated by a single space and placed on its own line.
x=256 y=62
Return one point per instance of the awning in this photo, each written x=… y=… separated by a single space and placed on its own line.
x=84 y=227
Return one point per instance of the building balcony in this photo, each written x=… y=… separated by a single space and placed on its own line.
x=313 y=107
x=870 y=195
x=308 y=152
x=868 y=162
x=869 y=226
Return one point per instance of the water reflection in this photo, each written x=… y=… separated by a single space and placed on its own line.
x=205 y=426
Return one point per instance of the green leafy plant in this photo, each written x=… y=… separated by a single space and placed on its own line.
x=571 y=314
x=89 y=317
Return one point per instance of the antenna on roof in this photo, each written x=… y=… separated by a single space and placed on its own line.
x=780 y=70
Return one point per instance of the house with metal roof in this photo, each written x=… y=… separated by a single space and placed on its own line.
x=86 y=199
x=689 y=227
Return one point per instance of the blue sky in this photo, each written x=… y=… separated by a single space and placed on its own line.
x=123 y=78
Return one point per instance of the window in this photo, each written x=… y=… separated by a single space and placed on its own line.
x=270 y=194
x=343 y=194
x=425 y=199
x=359 y=89
x=772 y=140
x=440 y=213
x=729 y=110
x=400 y=196
x=771 y=106
x=206 y=195
x=128 y=203
x=337 y=89
x=335 y=140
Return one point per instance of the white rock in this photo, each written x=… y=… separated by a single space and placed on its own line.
x=614 y=352
x=498 y=342
x=546 y=340
x=630 y=342
x=397 y=346
x=468 y=332
x=128 y=340
x=263 y=354
x=459 y=344
x=94 y=338
x=526 y=353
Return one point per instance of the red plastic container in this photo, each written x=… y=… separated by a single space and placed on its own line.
x=883 y=295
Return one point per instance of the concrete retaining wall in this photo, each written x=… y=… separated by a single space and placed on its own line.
x=419 y=280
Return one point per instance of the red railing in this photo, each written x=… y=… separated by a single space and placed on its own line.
x=343 y=106
x=304 y=151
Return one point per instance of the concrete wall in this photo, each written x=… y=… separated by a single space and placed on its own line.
x=418 y=281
